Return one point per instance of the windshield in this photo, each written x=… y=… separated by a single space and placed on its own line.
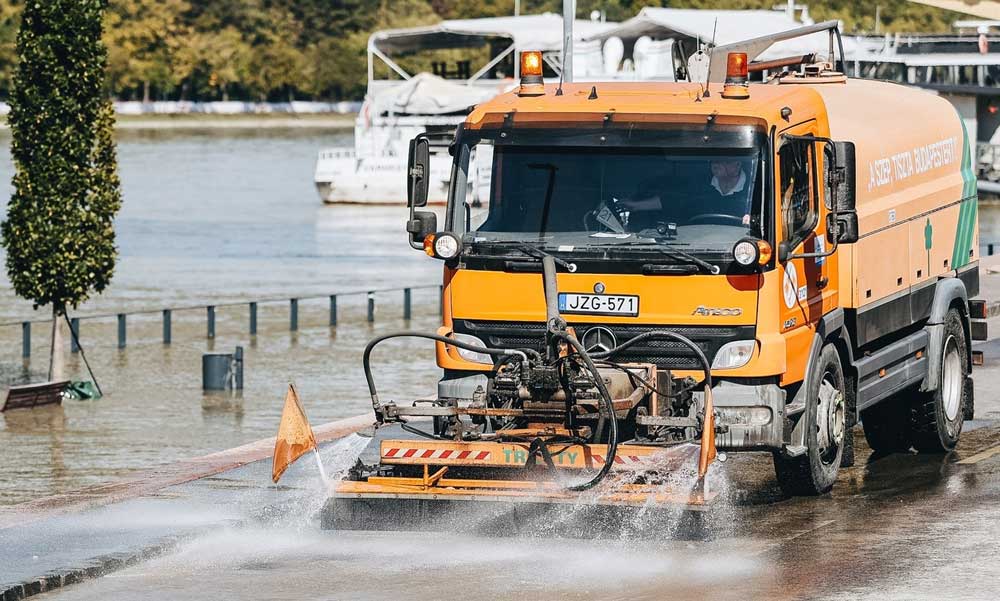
x=555 y=195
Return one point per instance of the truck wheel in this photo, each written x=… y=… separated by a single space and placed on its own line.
x=815 y=472
x=885 y=425
x=936 y=417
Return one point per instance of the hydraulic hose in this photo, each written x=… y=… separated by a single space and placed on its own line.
x=705 y=366
x=366 y=357
x=609 y=406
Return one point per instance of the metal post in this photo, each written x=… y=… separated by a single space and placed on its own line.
x=371 y=306
x=26 y=340
x=74 y=325
x=569 y=15
x=407 y=311
x=293 y=318
x=121 y=330
x=989 y=250
x=333 y=309
x=253 y=319
x=211 y=321
x=166 y=326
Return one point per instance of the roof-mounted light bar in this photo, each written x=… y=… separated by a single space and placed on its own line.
x=737 y=76
x=531 y=74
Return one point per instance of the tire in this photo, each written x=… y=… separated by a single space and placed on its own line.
x=886 y=425
x=936 y=417
x=815 y=472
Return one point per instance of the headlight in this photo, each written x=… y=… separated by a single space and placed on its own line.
x=734 y=354
x=745 y=252
x=446 y=246
x=472 y=356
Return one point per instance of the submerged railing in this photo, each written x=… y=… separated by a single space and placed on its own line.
x=210 y=311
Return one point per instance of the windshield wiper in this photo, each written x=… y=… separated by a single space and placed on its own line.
x=531 y=251
x=675 y=253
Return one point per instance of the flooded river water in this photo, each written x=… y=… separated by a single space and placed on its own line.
x=210 y=218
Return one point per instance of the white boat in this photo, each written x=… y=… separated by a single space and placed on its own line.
x=656 y=44
x=399 y=105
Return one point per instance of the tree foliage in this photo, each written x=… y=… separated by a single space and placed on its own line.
x=281 y=49
x=59 y=232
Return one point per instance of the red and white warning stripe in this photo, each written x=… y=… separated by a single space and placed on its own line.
x=622 y=459
x=403 y=453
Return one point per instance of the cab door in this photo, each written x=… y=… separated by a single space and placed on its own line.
x=808 y=283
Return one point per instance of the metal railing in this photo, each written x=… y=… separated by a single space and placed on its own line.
x=210 y=310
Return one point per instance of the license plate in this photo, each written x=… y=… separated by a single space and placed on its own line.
x=599 y=304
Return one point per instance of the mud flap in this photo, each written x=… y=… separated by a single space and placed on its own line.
x=969 y=410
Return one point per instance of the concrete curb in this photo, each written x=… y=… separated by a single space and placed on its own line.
x=97 y=567
x=152 y=481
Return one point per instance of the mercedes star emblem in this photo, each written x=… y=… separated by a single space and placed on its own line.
x=599 y=339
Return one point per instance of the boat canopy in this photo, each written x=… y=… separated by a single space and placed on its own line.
x=504 y=36
x=527 y=32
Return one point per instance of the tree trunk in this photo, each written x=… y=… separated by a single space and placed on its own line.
x=145 y=92
x=225 y=93
x=57 y=354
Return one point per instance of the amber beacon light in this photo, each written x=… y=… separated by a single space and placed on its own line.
x=531 y=74
x=737 y=76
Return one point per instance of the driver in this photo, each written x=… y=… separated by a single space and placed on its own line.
x=730 y=181
x=727 y=193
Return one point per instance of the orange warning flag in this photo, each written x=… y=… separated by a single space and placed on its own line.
x=295 y=436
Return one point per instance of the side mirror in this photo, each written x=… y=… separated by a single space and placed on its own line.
x=418 y=171
x=842 y=221
x=784 y=251
x=842 y=228
x=422 y=224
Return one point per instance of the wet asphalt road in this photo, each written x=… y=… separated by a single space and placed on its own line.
x=904 y=526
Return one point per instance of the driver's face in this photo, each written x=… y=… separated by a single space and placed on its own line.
x=726 y=169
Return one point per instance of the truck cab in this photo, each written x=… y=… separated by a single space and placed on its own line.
x=821 y=257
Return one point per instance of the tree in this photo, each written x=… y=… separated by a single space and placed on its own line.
x=59 y=232
x=143 y=37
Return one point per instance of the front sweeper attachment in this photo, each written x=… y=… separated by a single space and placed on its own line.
x=556 y=431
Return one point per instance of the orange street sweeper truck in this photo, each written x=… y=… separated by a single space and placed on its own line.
x=664 y=273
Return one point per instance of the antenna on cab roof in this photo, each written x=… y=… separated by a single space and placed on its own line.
x=708 y=79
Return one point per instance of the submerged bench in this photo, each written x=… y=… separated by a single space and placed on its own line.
x=27 y=396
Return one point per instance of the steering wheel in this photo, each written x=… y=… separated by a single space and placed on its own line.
x=729 y=219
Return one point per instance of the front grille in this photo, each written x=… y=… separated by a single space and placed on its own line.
x=666 y=354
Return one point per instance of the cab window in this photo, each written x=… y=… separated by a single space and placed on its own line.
x=798 y=190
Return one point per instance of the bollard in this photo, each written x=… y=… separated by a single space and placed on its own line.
x=166 y=326
x=407 y=299
x=293 y=315
x=222 y=371
x=253 y=319
x=333 y=309
x=989 y=250
x=74 y=337
x=121 y=330
x=211 y=321
x=26 y=340
x=371 y=306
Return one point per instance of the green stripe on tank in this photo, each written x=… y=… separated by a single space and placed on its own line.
x=967 y=215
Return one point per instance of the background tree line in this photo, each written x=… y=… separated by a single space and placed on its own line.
x=315 y=49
